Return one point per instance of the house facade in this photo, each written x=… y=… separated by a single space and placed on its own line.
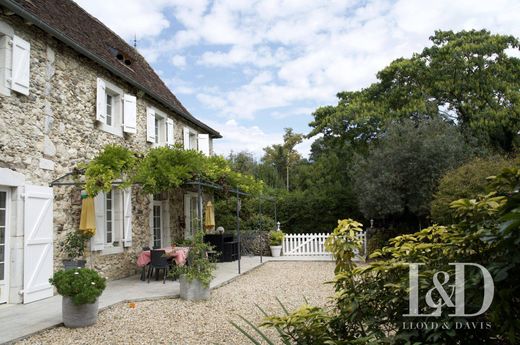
x=68 y=87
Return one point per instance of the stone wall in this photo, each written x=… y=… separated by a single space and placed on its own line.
x=45 y=134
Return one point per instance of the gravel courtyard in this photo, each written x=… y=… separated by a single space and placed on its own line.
x=173 y=321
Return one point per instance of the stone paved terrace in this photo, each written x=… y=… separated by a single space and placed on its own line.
x=20 y=320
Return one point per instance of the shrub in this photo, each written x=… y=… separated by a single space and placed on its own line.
x=82 y=285
x=276 y=238
x=74 y=245
x=465 y=181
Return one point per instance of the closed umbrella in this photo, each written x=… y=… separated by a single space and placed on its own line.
x=209 y=217
x=87 y=222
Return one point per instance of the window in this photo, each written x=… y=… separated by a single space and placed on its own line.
x=195 y=141
x=115 y=110
x=14 y=62
x=157 y=226
x=3 y=232
x=159 y=128
x=113 y=221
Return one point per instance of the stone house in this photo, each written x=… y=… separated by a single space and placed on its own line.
x=68 y=87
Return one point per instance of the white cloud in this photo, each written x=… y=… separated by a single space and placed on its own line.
x=179 y=61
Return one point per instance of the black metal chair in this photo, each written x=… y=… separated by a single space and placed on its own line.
x=159 y=261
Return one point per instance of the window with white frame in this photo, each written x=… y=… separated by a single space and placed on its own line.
x=196 y=141
x=15 y=61
x=115 y=110
x=113 y=221
x=159 y=128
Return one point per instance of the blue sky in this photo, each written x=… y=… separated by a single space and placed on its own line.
x=251 y=68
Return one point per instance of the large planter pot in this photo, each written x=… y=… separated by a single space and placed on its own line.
x=276 y=250
x=75 y=316
x=71 y=264
x=194 y=290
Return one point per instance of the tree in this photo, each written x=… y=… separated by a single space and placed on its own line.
x=284 y=156
x=466 y=181
x=396 y=180
x=467 y=77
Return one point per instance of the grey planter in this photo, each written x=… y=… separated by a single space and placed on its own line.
x=75 y=316
x=70 y=264
x=194 y=290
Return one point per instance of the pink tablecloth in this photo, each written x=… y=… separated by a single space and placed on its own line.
x=178 y=253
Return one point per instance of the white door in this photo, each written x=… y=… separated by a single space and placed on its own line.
x=157 y=225
x=38 y=243
x=191 y=209
x=4 y=248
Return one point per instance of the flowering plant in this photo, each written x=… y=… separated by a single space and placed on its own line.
x=82 y=285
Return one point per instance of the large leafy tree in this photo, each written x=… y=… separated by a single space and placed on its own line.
x=467 y=77
x=284 y=156
x=396 y=180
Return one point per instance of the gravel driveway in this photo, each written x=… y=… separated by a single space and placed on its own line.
x=173 y=321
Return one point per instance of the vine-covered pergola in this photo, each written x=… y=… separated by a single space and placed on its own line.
x=162 y=169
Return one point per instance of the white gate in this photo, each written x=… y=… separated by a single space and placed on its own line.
x=310 y=244
x=38 y=243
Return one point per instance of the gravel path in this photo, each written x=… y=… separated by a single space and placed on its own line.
x=174 y=321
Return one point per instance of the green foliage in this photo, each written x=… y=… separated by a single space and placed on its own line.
x=398 y=176
x=161 y=169
x=466 y=181
x=74 y=245
x=113 y=163
x=198 y=266
x=259 y=222
x=82 y=285
x=276 y=238
x=371 y=300
x=467 y=76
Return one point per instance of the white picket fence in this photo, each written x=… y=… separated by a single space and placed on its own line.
x=309 y=244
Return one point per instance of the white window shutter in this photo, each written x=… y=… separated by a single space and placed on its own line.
x=21 y=65
x=127 y=217
x=129 y=113
x=150 y=125
x=101 y=101
x=204 y=143
x=186 y=133
x=97 y=242
x=38 y=243
x=170 y=141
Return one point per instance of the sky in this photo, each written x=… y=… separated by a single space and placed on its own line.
x=249 y=69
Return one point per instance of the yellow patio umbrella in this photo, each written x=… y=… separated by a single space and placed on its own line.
x=87 y=222
x=209 y=217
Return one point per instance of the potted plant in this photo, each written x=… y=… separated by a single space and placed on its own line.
x=74 y=247
x=80 y=289
x=275 y=242
x=196 y=275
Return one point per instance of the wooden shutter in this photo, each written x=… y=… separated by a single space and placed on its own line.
x=129 y=113
x=38 y=243
x=170 y=141
x=127 y=217
x=21 y=65
x=204 y=143
x=150 y=125
x=101 y=101
x=97 y=242
x=186 y=134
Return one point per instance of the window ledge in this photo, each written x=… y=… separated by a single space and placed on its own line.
x=112 y=250
x=112 y=130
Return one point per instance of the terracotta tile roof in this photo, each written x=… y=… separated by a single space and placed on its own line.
x=69 y=23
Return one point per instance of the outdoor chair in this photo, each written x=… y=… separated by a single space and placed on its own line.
x=159 y=261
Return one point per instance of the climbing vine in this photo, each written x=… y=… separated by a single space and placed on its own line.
x=160 y=169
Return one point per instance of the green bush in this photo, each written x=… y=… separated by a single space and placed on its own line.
x=276 y=238
x=82 y=285
x=198 y=265
x=74 y=245
x=371 y=300
x=465 y=181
